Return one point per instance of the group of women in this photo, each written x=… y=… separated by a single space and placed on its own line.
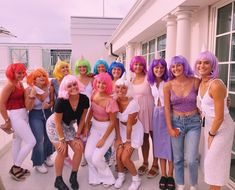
x=103 y=113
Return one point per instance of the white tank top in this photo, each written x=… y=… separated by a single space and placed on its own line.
x=157 y=93
x=206 y=103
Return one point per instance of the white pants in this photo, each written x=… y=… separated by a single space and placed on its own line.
x=23 y=138
x=99 y=171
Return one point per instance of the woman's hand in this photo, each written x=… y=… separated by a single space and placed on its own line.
x=128 y=147
x=210 y=139
x=62 y=146
x=118 y=142
x=78 y=144
x=100 y=143
x=174 y=132
x=46 y=105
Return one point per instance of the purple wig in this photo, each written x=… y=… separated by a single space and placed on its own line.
x=188 y=72
x=116 y=64
x=63 y=90
x=138 y=59
x=208 y=56
x=151 y=76
x=104 y=77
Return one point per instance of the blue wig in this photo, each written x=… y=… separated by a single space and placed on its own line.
x=98 y=62
x=116 y=64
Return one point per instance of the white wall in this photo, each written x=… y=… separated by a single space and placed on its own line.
x=88 y=35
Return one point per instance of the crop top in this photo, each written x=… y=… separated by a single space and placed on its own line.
x=16 y=99
x=101 y=113
x=63 y=106
x=184 y=104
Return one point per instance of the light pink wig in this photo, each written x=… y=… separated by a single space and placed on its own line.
x=104 y=77
x=63 y=90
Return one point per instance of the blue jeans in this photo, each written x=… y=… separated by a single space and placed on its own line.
x=43 y=147
x=190 y=129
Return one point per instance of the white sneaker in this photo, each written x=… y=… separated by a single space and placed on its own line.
x=120 y=180
x=41 y=169
x=136 y=182
x=193 y=188
x=83 y=162
x=180 y=187
x=49 y=162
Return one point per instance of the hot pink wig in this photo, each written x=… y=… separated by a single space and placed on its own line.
x=15 y=68
x=138 y=59
x=104 y=77
x=63 y=90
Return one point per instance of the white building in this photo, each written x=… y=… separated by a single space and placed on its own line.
x=181 y=27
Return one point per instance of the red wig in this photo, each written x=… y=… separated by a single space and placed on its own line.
x=15 y=68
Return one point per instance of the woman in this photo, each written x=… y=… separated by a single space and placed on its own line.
x=142 y=92
x=13 y=110
x=101 y=66
x=219 y=126
x=83 y=70
x=70 y=108
x=157 y=76
x=182 y=119
x=130 y=135
x=39 y=112
x=103 y=113
x=116 y=71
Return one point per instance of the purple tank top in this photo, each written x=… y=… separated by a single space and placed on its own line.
x=184 y=104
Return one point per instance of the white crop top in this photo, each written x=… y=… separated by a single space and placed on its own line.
x=206 y=103
x=157 y=93
x=132 y=107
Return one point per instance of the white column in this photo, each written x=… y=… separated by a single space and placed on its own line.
x=130 y=52
x=183 y=33
x=170 y=37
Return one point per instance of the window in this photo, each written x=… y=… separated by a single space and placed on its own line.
x=19 y=55
x=225 y=51
x=148 y=51
x=161 y=46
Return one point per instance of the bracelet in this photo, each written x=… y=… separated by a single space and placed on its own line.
x=61 y=138
x=7 y=120
x=210 y=134
x=128 y=140
x=32 y=97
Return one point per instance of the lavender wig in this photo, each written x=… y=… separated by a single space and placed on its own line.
x=63 y=90
x=138 y=59
x=98 y=62
x=104 y=77
x=116 y=64
x=208 y=56
x=151 y=76
x=188 y=72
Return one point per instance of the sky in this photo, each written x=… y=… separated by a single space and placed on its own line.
x=48 y=21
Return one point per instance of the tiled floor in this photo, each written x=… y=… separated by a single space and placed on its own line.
x=39 y=181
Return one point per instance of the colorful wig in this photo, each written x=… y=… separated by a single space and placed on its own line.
x=116 y=64
x=208 y=56
x=57 y=70
x=151 y=76
x=103 y=62
x=123 y=82
x=82 y=62
x=138 y=59
x=37 y=73
x=63 y=90
x=15 y=68
x=188 y=72
x=104 y=77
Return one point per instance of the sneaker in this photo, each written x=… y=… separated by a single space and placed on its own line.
x=119 y=181
x=193 y=188
x=83 y=162
x=107 y=185
x=49 y=162
x=41 y=169
x=136 y=182
x=68 y=162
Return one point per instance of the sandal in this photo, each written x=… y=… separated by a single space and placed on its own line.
x=17 y=173
x=143 y=169
x=163 y=183
x=153 y=172
x=170 y=183
x=26 y=172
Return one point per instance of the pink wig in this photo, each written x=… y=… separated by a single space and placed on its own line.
x=138 y=59
x=63 y=90
x=104 y=77
x=15 y=68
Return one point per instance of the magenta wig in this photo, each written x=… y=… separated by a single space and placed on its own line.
x=15 y=68
x=188 y=72
x=104 y=77
x=138 y=59
x=208 y=56
x=63 y=90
